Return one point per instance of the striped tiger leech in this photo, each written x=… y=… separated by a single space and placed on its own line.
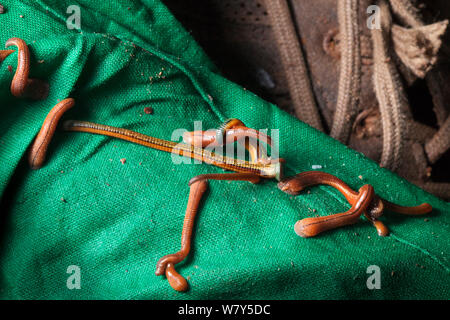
x=269 y=169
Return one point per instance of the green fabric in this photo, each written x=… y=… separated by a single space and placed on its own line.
x=118 y=219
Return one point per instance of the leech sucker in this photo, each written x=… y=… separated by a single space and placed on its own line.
x=22 y=86
x=176 y=281
x=40 y=145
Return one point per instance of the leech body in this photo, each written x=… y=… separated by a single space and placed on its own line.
x=166 y=264
x=312 y=178
x=227 y=176
x=4 y=54
x=267 y=170
x=311 y=227
x=198 y=187
x=21 y=85
x=20 y=80
x=39 y=147
x=411 y=211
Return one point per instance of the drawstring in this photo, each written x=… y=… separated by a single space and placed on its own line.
x=350 y=74
x=439 y=144
x=293 y=63
x=389 y=91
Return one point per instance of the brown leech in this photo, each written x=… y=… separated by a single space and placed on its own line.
x=166 y=264
x=311 y=227
x=198 y=186
x=363 y=202
x=230 y=131
x=40 y=145
x=22 y=86
x=4 y=54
